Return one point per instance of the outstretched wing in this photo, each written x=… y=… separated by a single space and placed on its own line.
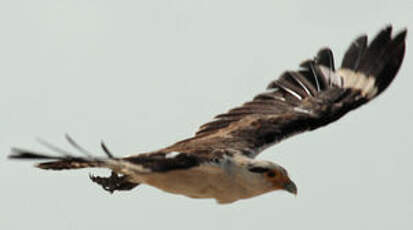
x=303 y=100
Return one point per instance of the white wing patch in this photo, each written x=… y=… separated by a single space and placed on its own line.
x=172 y=155
x=301 y=110
x=357 y=80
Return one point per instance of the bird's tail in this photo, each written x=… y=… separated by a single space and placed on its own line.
x=371 y=68
x=66 y=160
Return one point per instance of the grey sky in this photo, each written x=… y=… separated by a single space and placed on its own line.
x=144 y=74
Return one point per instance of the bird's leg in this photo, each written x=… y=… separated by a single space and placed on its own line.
x=114 y=182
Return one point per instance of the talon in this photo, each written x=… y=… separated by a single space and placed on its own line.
x=113 y=182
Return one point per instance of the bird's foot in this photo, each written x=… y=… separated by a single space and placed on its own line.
x=113 y=183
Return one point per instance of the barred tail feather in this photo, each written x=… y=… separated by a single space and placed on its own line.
x=58 y=162
x=66 y=160
x=70 y=164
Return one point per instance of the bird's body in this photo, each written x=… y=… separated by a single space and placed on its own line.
x=228 y=178
x=226 y=181
x=219 y=161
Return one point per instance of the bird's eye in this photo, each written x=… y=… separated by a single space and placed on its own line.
x=258 y=169
x=271 y=174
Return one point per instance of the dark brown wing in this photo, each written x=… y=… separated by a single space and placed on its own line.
x=306 y=99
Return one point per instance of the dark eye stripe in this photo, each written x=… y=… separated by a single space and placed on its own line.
x=271 y=174
x=258 y=169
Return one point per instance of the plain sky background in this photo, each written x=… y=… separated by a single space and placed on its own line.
x=144 y=74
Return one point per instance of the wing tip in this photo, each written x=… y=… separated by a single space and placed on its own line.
x=372 y=68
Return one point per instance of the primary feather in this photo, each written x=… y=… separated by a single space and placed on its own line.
x=308 y=98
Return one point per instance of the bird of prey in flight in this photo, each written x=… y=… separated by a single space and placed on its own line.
x=219 y=160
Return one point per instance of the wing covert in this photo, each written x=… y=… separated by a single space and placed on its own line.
x=313 y=96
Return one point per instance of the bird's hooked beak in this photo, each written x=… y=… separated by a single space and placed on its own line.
x=290 y=187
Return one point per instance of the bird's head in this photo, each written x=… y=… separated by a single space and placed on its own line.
x=275 y=175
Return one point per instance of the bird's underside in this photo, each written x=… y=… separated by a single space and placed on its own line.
x=218 y=162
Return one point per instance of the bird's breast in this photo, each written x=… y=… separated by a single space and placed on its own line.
x=204 y=181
